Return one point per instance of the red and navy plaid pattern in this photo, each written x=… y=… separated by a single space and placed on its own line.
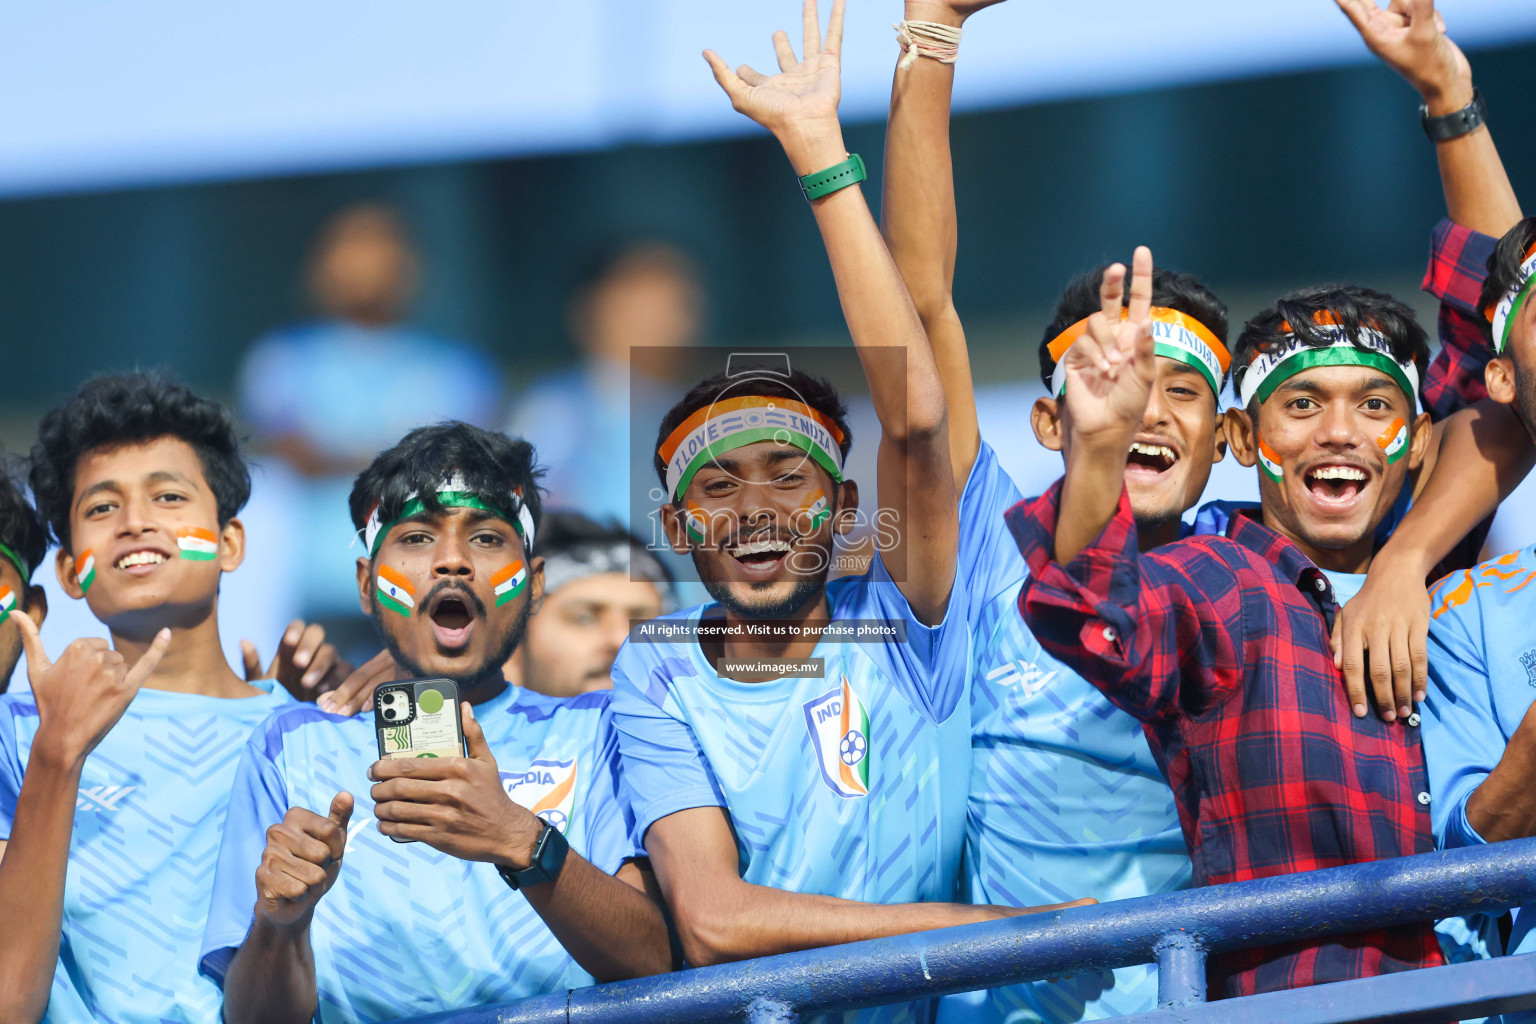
x=1220 y=645
x=1458 y=266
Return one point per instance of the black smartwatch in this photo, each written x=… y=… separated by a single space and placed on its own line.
x=549 y=852
x=1455 y=124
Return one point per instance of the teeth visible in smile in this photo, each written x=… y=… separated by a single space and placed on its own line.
x=1153 y=450
x=758 y=547
x=140 y=558
x=1337 y=473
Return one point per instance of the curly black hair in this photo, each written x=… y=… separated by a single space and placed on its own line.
x=1170 y=289
x=816 y=392
x=495 y=468
x=21 y=529
x=133 y=408
x=1350 y=306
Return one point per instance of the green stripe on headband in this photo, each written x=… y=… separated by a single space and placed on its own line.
x=447 y=499
x=1502 y=342
x=1184 y=355
x=742 y=438
x=21 y=566
x=1334 y=355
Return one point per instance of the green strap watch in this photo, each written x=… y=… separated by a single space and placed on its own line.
x=838 y=176
x=549 y=852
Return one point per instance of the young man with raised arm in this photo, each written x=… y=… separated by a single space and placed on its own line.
x=1479 y=723
x=805 y=810
x=1220 y=643
x=1065 y=795
x=115 y=770
x=452 y=881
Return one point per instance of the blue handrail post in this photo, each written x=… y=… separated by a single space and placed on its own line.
x=769 y=1011
x=1180 y=970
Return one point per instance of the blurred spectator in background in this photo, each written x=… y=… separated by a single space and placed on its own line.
x=598 y=579
x=643 y=294
x=328 y=394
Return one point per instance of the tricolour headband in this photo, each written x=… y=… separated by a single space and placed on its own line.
x=19 y=562
x=451 y=493
x=1175 y=335
x=1508 y=309
x=1369 y=348
x=738 y=422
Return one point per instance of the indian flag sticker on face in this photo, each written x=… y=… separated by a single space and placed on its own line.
x=693 y=521
x=816 y=509
x=85 y=569
x=1269 y=462
x=7 y=603
x=509 y=581
x=395 y=591
x=1394 y=440
x=197 y=544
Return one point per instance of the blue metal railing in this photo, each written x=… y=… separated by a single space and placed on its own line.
x=1176 y=931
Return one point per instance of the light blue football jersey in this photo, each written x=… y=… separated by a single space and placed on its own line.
x=1066 y=800
x=406 y=930
x=146 y=838
x=851 y=784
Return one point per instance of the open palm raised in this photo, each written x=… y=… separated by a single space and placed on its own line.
x=1110 y=369
x=804 y=91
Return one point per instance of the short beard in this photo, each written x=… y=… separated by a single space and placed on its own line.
x=469 y=679
x=1525 y=398
x=805 y=591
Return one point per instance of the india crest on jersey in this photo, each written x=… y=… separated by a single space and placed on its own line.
x=85 y=569
x=7 y=603
x=197 y=544
x=1269 y=462
x=547 y=788
x=839 y=726
x=1394 y=440
x=509 y=581
x=395 y=591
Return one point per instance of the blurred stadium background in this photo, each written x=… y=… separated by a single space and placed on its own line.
x=165 y=169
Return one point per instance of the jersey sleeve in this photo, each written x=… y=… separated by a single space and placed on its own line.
x=610 y=824
x=664 y=768
x=258 y=801
x=988 y=560
x=1462 y=738
x=10 y=769
x=935 y=660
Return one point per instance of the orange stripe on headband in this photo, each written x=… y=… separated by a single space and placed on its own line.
x=1489 y=310
x=693 y=422
x=1160 y=314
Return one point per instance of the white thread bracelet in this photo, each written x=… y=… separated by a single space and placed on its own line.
x=927 y=39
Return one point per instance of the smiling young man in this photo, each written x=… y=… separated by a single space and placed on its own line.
x=823 y=802
x=120 y=789
x=450 y=882
x=1065 y=797
x=23 y=543
x=1221 y=643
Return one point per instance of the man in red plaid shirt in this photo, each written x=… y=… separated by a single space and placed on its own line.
x=1221 y=643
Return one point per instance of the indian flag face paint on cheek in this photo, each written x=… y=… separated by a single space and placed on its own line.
x=395 y=591
x=816 y=509
x=1394 y=440
x=197 y=544
x=1269 y=462
x=693 y=521
x=7 y=603
x=509 y=581
x=85 y=569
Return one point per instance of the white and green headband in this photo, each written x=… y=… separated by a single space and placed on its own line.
x=737 y=422
x=453 y=492
x=1508 y=310
x=1175 y=335
x=1369 y=348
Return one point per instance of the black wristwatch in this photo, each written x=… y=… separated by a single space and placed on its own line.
x=549 y=852
x=1455 y=124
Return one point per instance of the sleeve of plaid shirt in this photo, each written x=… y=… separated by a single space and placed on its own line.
x=1157 y=633
x=1458 y=265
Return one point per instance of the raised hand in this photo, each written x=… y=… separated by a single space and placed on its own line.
x=1409 y=37
x=356 y=691
x=945 y=11
x=305 y=665
x=1109 y=370
x=301 y=862
x=805 y=92
x=81 y=696
x=457 y=805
